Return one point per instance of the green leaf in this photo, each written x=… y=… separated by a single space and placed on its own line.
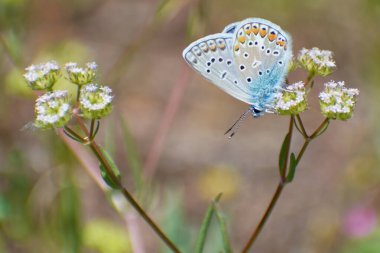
x=292 y=168
x=104 y=173
x=132 y=156
x=205 y=225
x=223 y=228
x=283 y=153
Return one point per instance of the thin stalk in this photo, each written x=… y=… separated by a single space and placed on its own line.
x=281 y=184
x=92 y=124
x=78 y=92
x=265 y=217
x=73 y=133
x=302 y=127
x=317 y=131
x=95 y=149
x=309 y=78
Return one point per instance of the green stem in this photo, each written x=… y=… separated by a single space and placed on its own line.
x=320 y=128
x=95 y=149
x=91 y=135
x=302 y=127
x=309 y=78
x=78 y=92
x=205 y=225
x=73 y=133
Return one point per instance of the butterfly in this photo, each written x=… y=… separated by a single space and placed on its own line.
x=249 y=60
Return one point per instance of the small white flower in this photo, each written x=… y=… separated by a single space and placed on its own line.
x=81 y=76
x=317 y=61
x=52 y=110
x=338 y=102
x=42 y=76
x=292 y=100
x=95 y=101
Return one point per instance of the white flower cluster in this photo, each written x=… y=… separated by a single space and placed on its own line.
x=52 y=110
x=79 y=75
x=292 y=100
x=317 y=61
x=337 y=101
x=95 y=101
x=42 y=76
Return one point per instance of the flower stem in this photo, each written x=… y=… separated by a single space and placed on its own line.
x=78 y=92
x=300 y=123
x=265 y=217
x=95 y=149
x=281 y=185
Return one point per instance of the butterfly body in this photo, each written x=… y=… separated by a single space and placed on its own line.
x=248 y=60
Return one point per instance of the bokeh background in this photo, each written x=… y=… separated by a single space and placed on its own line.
x=169 y=123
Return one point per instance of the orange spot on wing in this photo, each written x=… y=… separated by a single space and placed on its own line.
x=255 y=29
x=272 y=37
x=263 y=33
x=241 y=39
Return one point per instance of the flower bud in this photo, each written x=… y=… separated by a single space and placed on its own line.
x=42 y=76
x=81 y=76
x=293 y=65
x=52 y=110
x=292 y=100
x=95 y=101
x=319 y=62
x=338 y=102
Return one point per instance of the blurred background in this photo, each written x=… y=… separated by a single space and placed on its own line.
x=169 y=122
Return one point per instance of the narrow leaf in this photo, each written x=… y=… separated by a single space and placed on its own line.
x=132 y=156
x=223 y=228
x=283 y=152
x=104 y=173
x=292 y=168
x=325 y=126
x=205 y=225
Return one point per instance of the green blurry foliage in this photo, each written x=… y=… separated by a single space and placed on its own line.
x=174 y=221
x=369 y=244
x=63 y=52
x=106 y=237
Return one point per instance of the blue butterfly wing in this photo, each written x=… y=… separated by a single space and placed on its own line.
x=230 y=28
x=262 y=52
x=212 y=57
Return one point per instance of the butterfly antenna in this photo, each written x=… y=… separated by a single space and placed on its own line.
x=233 y=129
